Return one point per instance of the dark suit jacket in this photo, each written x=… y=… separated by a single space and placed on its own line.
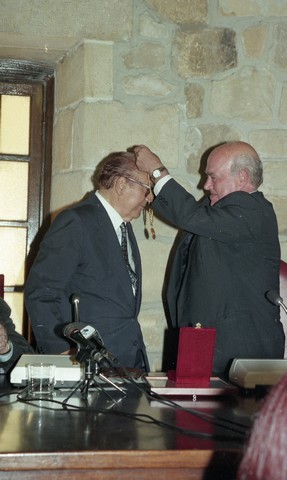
x=81 y=255
x=227 y=260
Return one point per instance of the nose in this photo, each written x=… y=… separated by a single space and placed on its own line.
x=208 y=184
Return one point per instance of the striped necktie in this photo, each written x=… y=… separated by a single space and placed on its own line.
x=124 y=247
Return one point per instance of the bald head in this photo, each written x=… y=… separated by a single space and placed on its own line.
x=231 y=167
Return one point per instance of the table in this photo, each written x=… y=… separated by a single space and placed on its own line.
x=100 y=438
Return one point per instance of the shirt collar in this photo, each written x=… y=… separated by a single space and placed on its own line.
x=115 y=217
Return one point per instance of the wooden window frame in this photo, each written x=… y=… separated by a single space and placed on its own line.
x=37 y=81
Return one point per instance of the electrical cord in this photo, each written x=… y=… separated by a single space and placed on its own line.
x=143 y=418
x=213 y=418
x=144 y=388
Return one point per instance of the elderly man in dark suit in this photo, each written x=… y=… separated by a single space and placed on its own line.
x=229 y=254
x=81 y=255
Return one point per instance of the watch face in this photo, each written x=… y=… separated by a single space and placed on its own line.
x=156 y=173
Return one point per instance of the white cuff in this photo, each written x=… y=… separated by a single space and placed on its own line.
x=158 y=186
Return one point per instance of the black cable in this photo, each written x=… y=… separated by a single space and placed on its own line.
x=150 y=395
x=215 y=419
x=143 y=418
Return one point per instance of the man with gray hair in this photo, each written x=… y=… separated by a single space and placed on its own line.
x=90 y=251
x=228 y=256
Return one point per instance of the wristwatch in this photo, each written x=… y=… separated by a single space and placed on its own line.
x=157 y=172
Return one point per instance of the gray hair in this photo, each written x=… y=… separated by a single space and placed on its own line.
x=116 y=164
x=252 y=164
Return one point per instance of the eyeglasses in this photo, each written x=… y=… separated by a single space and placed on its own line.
x=145 y=185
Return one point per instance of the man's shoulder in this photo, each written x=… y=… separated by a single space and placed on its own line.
x=243 y=198
x=87 y=206
x=88 y=201
x=86 y=213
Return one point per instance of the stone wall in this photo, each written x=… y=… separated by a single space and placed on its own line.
x=177 y=75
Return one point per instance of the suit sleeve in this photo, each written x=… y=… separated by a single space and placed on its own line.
x=234 y=218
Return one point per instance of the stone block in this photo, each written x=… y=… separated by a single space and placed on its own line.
x=194 y=94
x=68 y=188
x=280 y=55
x=277 y=8
x=147 y=85
x=62 y=141
x=70 y=78
x=148 y=27
x=247 y=95
x=241 y=8
x=46 y=31
x=103 y=20
x=29 y=47
x=86 y=72
x=182 y=11
x=199 y=140
x=103 y=127
x=283 y=104
x=270 y=142
x=203 y=52
x=275 y=178
x=247 y=8
x=145 y=55
x=254 y=40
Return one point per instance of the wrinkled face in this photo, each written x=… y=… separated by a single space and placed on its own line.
x=137 y=193
x=220 y=181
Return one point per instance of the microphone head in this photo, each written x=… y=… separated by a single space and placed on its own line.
x=274 y=297
x=75 y=298
x=71 y=327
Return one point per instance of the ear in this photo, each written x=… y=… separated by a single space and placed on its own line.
x=120 y=185
x=243 y=178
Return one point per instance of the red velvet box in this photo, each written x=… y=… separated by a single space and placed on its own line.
x=194 y=357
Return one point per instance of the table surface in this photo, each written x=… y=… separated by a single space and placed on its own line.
x=109 y=428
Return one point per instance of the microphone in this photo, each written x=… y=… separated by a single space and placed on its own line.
x=75 y=301
x=89 y=339
x=274 y=298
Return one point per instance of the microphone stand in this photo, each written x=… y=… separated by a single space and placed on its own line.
x=92 y=370
x=89 y=356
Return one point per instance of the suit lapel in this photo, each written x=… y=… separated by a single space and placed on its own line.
x=137 y=261
x=106 y=239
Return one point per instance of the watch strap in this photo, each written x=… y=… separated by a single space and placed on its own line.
x=159 y=169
